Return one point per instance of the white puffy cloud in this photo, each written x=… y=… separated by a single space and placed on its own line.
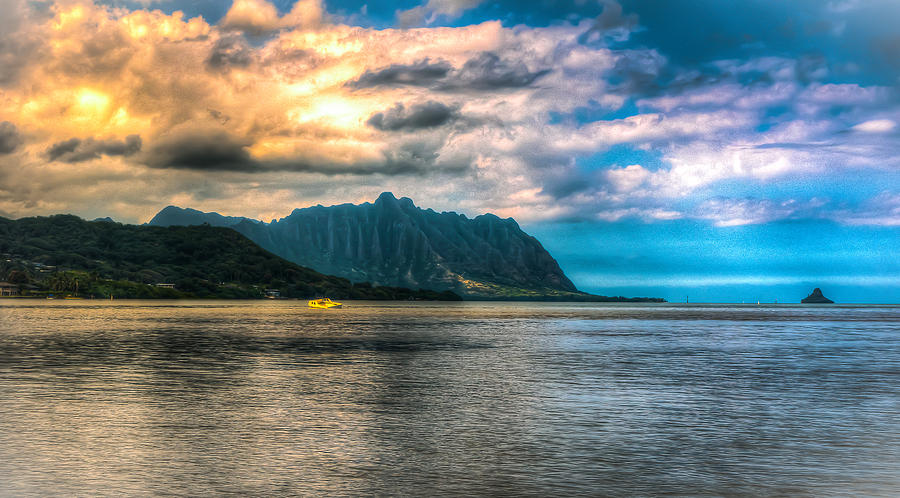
x=259 y=16
x=876 y=126
x=629 y=178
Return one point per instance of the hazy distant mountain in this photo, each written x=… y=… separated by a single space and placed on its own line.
x=172 y=215
x=393 y=242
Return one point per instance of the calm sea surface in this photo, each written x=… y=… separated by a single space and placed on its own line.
x=271 y=398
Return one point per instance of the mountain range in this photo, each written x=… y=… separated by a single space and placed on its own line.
x=64 y=254
x=393 y=242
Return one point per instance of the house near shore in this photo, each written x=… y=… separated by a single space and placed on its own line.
x=8 y=290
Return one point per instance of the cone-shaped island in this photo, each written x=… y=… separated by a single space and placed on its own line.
x=816 y=298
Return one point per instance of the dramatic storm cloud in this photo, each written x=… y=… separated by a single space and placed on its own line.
x=76 y=150
x=420 y=73
x=418 y=116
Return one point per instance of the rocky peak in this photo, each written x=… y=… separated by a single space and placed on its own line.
x=816 y=298
x=394 y=242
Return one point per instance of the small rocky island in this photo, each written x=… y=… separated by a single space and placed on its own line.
x=816 y=298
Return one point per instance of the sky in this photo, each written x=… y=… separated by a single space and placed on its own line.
x=729 y=151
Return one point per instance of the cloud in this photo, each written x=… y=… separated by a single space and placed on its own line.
x=876 y=126
x=230 y=51
x=629 y=178
x=726 y=212
x=418 y=116
x=430 y=11
x=201 y=150
x=269 y=109
x=483 y=72
x=214 y=150
x=420 y=73
x=843 y=6
x=253 y=16
x=612 y=23
x=258 y=17
x=76 y=150
x=487 y=71
x=847 y=94
x=218 y=116
x=638 y=72
x=19 y=41
x=10 y=139
x=883 y=210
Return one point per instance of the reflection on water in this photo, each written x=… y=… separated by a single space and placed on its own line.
x=210 y=398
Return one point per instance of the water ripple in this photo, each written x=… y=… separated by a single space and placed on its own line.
x=272 y=398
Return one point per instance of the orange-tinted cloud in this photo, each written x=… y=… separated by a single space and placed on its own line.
x=107 y=91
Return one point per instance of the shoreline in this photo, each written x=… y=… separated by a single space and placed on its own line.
x=473 y=301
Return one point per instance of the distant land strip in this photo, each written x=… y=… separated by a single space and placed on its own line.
x=392 y=242
x=65 y=256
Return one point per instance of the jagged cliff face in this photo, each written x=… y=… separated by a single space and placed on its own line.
x=392 y=242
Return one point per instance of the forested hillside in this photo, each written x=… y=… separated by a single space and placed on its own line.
x=64 y=253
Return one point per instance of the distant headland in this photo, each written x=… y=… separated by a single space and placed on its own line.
x=389 y=249
x=816 y=298
x=393 y=242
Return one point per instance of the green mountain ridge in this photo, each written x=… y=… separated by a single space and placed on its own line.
x=68 y=255
x=394 y=242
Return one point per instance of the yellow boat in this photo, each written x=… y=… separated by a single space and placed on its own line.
x=324 y=303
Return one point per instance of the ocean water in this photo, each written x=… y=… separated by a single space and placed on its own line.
x=271 y=398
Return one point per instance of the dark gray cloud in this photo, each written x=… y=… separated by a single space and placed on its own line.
x=646 y=73
x=77 y=150
x=811 y=67
x=637 y=72
x=215 y=150
x=10 y=139
x=610 y=23
x=565 y=185
x=60 y=149
x=230 y=51
x=486 y=71
x=418 y=116
x=421 y=73
x=219 y=116
x=204 y=151
x=409 y=158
